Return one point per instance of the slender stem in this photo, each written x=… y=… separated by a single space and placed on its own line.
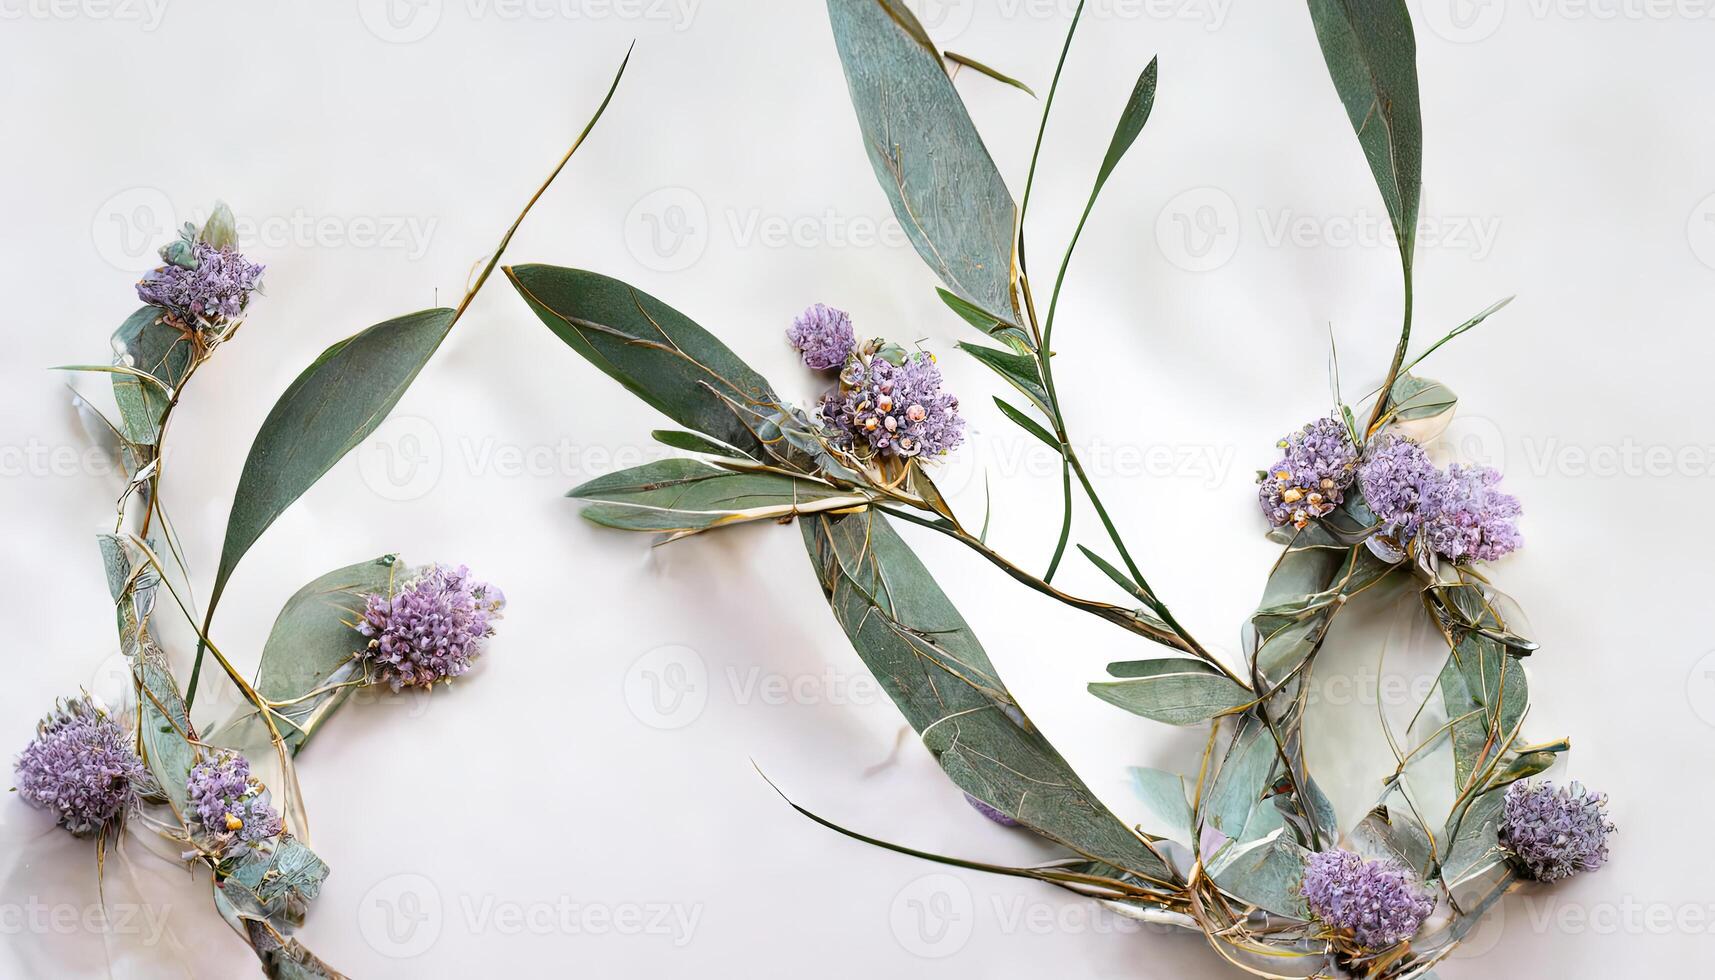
x=1066 y=521
x=1042 y=129
x=1398 y=362
x=464 y=304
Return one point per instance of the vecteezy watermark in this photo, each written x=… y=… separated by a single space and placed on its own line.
x=404 y=915
x=404 y=21
x=669 y=230
x=1700 y=231
x=933 y=916
x=402 y=460
x=1470 y=21
x=37 y=459
x=130 y=226
x=667 y=687
x=1700 y=688
x=408 y=456
x=146 y=14
x=35 y=917
x=1201 y=229
x=1211 y=15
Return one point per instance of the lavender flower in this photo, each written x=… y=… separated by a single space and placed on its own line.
x=1473 y=519
x=990 y=812
x=1460 y=514
x=823 y=336
x=210 y=289
x=1379 y=903
x=1553 y=833
x=430 y=629
x=81 y=766
x=1311 y=479
x=893 y=409
x=230 y=805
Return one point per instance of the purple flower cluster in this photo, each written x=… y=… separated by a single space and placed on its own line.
x=896 y=410
x=81 y=766
x=1460 y=514
x=211 y=290
x=430 y=629
x=232 y=806
x=1379 y=903
x=823 y=336
x=1553 y=833
x=1310 y=480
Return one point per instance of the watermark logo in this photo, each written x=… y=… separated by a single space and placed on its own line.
x=401 y=916
x=668 y=230
x=1700 y=231
x=1464 y=21
x=933 y=916
x=146 y=13
x=129 y=226
x=403 y=460
x=1700 y=688
x=946 y=19
x=668 y=687
x=1198 y=230
x=400 y=21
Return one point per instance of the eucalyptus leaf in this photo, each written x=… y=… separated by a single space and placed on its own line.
x=147 y=343
x=1177 y=691
x=930 y=663
x=1017 y=370
x=1267 y=873
x=936 y=172
x=681 y=496
x=331 y=407
x=1132 y=119
x=1371 y=53
x=694 y=442
x=1028 y=424
x=1164 y=794
x=1243 y=779
x=655 y=351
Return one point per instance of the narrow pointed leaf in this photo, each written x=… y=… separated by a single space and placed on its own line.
x=1131 y=122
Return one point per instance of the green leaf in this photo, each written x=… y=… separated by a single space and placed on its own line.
x=1267 y=873
x=1416 y=399
x=978 y=66
x=934 y=168
x=1476 y=845
x=1018 y=370
x=1245 y=774
x=684 y=496
x=1029 y=425
x=1372 y=56
x=332 y=406
x=1481 y=676
x=655 y=351
x=1163 y=793
x=315 y=643
x=146 y=343
x=1177 y=691
x=930 y=663
x=1131 y=122
x=984 y=322
x=693 y=442
x=221 y=228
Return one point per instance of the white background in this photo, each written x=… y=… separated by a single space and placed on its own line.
x=372 y=161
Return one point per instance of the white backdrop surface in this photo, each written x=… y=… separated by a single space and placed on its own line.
x=585 y=802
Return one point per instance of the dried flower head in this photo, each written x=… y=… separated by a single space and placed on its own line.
x=823 y=336
x=1378 y=903
x=1473 y=519
x=210 y=289
x=1310 y=480
x=1555 y=834
x=892 y=405
x=81 y=766
x=430 y=629
x=229 y=805
x=990 y=812
x=1460 y=514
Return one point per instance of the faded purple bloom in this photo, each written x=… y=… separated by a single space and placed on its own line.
x=1379 y=903
x=1311 y=479
x=1553 y=833
x=823 y=336
x=1473 y=520
x=1401 y=485
x=211 y=292
x=892 y=409
x=231 y=806
x=1460 y=514
x=990 y=812
x=81 y=766
x=430 y=629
